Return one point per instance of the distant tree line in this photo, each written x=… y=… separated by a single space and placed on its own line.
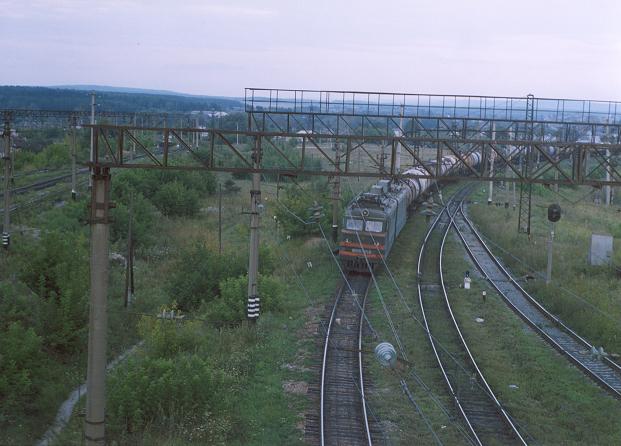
x=63 y=99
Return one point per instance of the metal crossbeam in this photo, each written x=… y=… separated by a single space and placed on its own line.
x=32 y=118
x=365 y=156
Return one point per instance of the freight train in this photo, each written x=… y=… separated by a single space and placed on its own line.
x=374 y=219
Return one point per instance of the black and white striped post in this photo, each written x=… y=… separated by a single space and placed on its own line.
x=6 y=136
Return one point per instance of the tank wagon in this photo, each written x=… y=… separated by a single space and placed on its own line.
x=374 y=219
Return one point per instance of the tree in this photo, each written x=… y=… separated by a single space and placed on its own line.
x=198 y=273
x=20 y=358
x=230 y=186
x=230 y=306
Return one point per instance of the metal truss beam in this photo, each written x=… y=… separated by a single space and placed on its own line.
x=552 y=162
x=30 y=118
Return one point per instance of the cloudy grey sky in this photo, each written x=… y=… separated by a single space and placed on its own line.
x=554 y=48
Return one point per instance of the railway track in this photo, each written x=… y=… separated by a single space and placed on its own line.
x=484 y=416
x=43 y=184
x=343 y=412
x=578 y=350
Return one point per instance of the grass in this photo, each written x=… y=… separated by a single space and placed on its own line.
x=554 y=402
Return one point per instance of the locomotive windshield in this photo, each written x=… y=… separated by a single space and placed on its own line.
x=374 y=226
x=353 y=224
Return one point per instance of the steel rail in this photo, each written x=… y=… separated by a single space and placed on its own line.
x=326 y=364
x=543 y=312
x=360 y=374
x=428 y=329
x=488 y=390
x=489 y=399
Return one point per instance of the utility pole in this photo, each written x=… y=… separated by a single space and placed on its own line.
x=129 y=273
x=254 y=301
x=336 y=195
x=90 y=180
x=6 y=228
x=401 y=134
x=220 y=218
x=492 y=157
x=94 y=425
x=607 y=188
x=74 y=150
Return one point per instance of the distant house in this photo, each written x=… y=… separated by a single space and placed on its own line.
x=302 y=133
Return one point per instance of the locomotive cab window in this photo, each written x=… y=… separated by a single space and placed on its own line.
x=354 y=224
x=374 y=226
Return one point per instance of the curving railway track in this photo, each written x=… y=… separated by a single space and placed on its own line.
x=484 y=416
x=578 y=350
x=343 y=411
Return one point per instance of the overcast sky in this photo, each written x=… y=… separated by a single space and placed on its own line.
x=550 y=48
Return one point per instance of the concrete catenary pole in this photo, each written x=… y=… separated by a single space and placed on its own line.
x=6 y=227
x=220 y=218
x=400 y=134
x=492 y=157
x=74 y=154
x=94 y=426
x=254 y=301
x=607 y=188
x=336 y=195
x=92 y=154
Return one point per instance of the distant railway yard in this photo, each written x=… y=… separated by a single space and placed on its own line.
x=276 y=279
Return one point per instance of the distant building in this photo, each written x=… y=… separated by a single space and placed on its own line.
x=210 y=114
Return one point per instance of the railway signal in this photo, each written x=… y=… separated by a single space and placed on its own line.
x=554 y=215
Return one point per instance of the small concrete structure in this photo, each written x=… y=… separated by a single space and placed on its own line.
x=600 y=251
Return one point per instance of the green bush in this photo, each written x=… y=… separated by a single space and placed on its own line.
x=20 y=358
x=56 y=268
x=143 y=221
x=166 y=338
x=54 y=156
x=176 y=200
x=231 y=305
x=197 y=275
x=299 y=202
x=180 y=395
x=174 y=193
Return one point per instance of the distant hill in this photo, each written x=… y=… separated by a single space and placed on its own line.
x=111 y=89
x=65 y=98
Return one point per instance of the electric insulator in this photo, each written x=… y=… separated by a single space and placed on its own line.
x=386 y=354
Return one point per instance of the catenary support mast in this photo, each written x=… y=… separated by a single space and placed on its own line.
x=94 y=427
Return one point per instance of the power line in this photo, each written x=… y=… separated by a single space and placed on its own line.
x=435 y=399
